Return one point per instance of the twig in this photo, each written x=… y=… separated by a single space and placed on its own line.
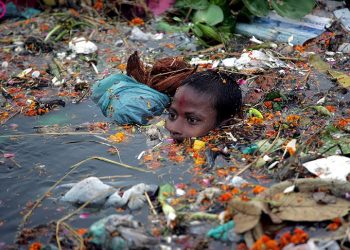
x=103 y=143
x=297 y=59
x=114 y=176
x=260 y=156
x=53 y=133
x=150 y=204
x=74 y=233
x=119 y=163
x=19 y=166
x=219 y=46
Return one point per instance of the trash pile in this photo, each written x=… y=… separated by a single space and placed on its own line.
x=277 y=177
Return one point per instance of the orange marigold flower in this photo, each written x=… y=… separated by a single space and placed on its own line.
x=268 y=104
x=265 y=243
x=118 y=137
x=299 y=236
x=258 y=189
x=293 y=118
x=255 y=121
x=122 y=67
x=137 y=21
x=299 y=48
x=81 y=231
x=285 y=239
x=191 y=192
x=336 y=223
x=35 y=246
x=244 y=197
x=235 y=191
x=225 y=197
x=342 y=123
x=242 y=246
x=98 y=5
x=331 y=108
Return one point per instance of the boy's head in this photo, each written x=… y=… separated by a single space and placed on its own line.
x=204 y=100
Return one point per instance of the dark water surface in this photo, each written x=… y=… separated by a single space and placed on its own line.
x=45 y=159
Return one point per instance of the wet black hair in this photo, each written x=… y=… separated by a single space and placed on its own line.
x=223 y=90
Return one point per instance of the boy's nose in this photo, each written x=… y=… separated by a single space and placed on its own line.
x=174 y=129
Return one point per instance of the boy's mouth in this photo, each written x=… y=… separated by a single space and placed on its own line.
x=177 y=138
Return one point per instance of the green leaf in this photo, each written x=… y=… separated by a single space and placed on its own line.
x=164 y=26
x=254 y=112
x=193 y=4
x=322 y=110
x=197 y=31
x=292 y=8
x=177 y=19
x=257 y=7
x=209 y=32
x=342 y=78
x=212 y=15
x=165 y=191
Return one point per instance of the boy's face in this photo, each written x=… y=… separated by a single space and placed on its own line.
x=191 y=114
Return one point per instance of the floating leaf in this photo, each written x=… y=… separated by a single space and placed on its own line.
x=165 y=191
x=342 y=78
x=212 y=15
x=254 y=112
x=322 y=110
x=293 y=9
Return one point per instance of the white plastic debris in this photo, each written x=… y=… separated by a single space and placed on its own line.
x=134 y=196
x=272 y=165
x=80 y=45
x=61 y=55
x=267 y=158
x=254 y=60
x=237 y=181
x=56 y=82
x=229 y=62
x=89 y=189
x=254 y=40
x=4 y=64
x=344 y=48
x=36 y=74
x=290 y=39
x=139 y=35
x=321 y=101
x=198 y=60
x=332 y=167
x=180 y=192
x=119 y=43
x=289 y=189
x=343 y=16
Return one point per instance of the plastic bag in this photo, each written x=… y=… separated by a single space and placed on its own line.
x=126 y=101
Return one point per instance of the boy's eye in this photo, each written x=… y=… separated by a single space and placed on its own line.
x=172 y=116
x=192 y=120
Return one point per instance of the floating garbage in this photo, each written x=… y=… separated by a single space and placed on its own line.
x=93 y=190
x=332 y=167
x=80 y=45
x=90 y=190
x=118 y=232
x=276 y=28
x=138 y=35
x=133 y=197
